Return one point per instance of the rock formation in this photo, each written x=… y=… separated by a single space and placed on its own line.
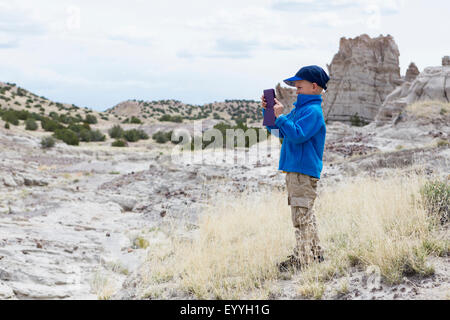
x=446 y=61
x=362 y=74
x=430 y=84
x=412 y=72
x=286 y=96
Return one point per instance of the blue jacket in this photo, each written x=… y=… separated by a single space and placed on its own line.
x=303 y=131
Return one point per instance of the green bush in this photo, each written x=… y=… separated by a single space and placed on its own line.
x=116 y=132
x=162 y=137
x=222 y=127
x=131 y=135
x=77 y=127
x=6 y=125
x=142 y=134
x=90 y=119
x=436 y=197
x=86 y=125
x=97 y=135
x=85 y=135
x=47 y=142
x=356 y=121
x=119 y=143
x=54 y=116
x=11 y=117
x=30 y=124
x=50 y=125
x=170 y=118
x=135 y=120
x=68 y=136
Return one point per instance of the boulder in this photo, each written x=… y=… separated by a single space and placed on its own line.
x=127 y=203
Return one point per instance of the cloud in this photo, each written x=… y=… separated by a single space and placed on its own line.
x=132 y=35
x=17 y=24
x=384 y=6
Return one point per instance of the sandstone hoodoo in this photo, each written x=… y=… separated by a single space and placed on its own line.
x=362 y=73
x=412 y=72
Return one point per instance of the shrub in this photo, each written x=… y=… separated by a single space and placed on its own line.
x=131 y=135
x=30 y=124
x=47 y=142
x=142 y=134
x=11 y=117
x=436 y=197
x=119 y=143
x=50 y=125
x=162 y=137
x=116 y=132
x=6 y=125
x=54 y=115
x=135 y=120
x=90 y=119
x=85 y=135
x=356 y=121
x=68 y=136
x=77 y=127
x=97 y=135
x=170 y=118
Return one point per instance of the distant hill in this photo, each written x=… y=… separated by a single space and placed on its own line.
x=244 y=110
x=17 y=98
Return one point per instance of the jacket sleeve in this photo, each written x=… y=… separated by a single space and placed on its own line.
x=277 y=132
x=303 y=128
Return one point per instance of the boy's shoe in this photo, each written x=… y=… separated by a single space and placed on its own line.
x=292 y=263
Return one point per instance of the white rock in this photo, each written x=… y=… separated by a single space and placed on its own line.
x=127 y=203
x=6 y=292
x=9 y=181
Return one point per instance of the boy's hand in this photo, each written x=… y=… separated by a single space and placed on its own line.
x=278 y=108
x=263 y=102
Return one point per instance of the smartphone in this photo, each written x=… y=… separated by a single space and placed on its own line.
x=269 y=115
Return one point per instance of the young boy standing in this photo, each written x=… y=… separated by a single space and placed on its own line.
x=303 y=132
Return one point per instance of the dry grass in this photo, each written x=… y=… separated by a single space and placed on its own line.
x=234 y=250
x=102 y=286
x=431 y=109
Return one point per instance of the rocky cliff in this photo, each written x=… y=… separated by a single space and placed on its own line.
x=362 y=74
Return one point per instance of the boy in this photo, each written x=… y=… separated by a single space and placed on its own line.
x=303 y=131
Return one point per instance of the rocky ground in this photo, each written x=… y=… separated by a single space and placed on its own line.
x=73 y=220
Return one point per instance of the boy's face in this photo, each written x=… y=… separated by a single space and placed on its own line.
x=306 y=87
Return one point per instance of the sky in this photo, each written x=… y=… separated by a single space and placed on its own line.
x=98 y=53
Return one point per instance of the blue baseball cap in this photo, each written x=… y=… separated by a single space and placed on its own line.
x=312 y=74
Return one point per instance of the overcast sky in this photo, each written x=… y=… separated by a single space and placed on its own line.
x=97 y=53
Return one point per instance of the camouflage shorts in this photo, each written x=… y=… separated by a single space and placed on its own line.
x=302 y=192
